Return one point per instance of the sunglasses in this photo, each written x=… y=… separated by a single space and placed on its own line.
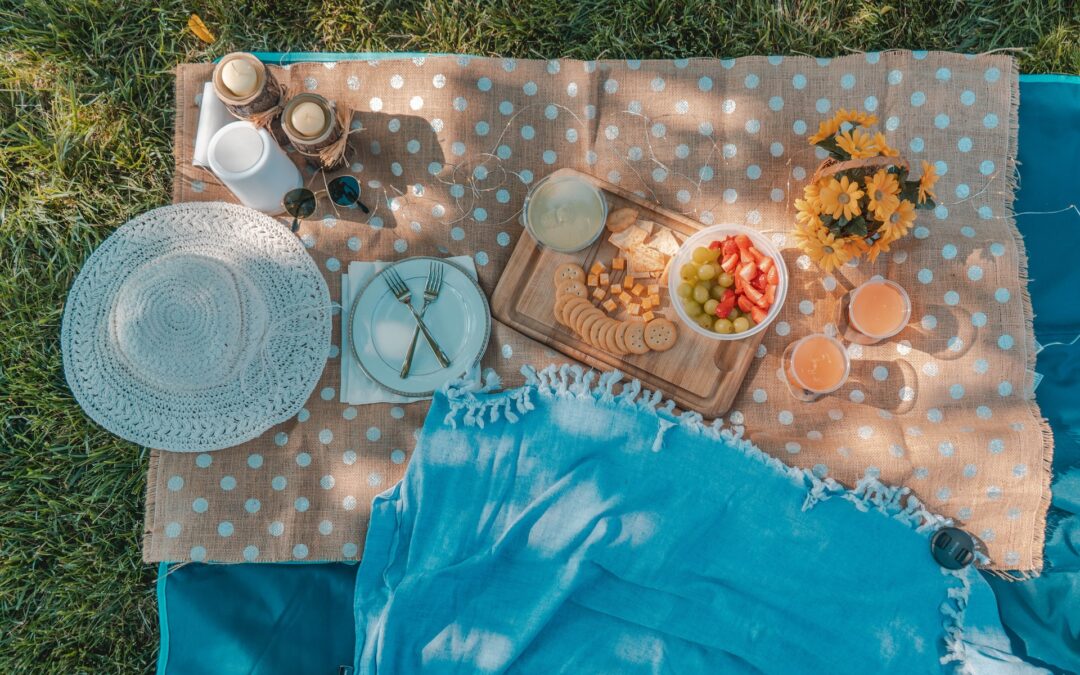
x=301 y=202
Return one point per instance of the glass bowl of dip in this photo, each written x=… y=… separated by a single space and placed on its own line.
x=564 y=212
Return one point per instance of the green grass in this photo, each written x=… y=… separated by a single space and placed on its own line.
x=85 y=143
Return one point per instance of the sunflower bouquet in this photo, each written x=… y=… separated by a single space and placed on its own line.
x=861 y=199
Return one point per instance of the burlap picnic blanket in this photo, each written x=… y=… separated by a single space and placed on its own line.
x=446 y=150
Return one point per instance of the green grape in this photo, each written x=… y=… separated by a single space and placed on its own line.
x=700 y=255
x=710 y=307
x=716 y=292
x=725 y=280
x=723 y=326
x=734 y=314
x=705 y=321
x=706 y=272
x=741 y=324
x=701 y=293
x=684 y=290
x=714 y=255
x=688 y=272
x=692 y=308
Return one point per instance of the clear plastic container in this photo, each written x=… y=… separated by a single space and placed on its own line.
x=706 y=237
x=585 y=212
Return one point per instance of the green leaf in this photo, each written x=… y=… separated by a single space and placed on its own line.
x=928 y=204
x=910 y=191
x=855 y=226
x=834 y=149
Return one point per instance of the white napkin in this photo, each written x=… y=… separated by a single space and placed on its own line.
x=356 y=387
x=212 y=116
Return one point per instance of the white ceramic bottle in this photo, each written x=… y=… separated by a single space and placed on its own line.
x=249 y=162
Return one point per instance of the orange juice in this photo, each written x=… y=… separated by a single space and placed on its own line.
x=879 y=309
x=818 y=363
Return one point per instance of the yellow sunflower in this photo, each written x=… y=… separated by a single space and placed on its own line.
x=840 y=198
x=858 y=144
x=926 y=183
x=822 y=247
x=882 y=189
x=826 y=128
x=878 y=247
x=856 y=117
x=883 y=146
x=899 y=221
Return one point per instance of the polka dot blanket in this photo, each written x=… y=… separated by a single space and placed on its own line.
x=446 y=148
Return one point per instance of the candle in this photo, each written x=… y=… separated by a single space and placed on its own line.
x=565 y=213
x=815 y=365
x=309 y=119
x=239 y=77
x=879 y=309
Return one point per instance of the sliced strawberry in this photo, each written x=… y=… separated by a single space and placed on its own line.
x=725 y=307
x=744 y=303
x=728 y=293
x=729 y=263
x=743 y=242
x=759 y=282
x=758 y=314
x=729 y=247
x=766 y=263
x=753 y=294
x=715 y=245
x=757 y=255
x=773 y=276
x=770 y=295
x=748 y=271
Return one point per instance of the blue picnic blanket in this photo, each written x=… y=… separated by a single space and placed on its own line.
x=546 y=530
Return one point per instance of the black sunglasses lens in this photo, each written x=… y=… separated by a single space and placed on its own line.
x=299 y=203
x=344 y=190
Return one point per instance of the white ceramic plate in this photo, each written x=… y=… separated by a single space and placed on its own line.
x=380 y=327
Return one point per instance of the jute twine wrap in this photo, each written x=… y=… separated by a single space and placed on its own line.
x=448 y=149
x=261 y=107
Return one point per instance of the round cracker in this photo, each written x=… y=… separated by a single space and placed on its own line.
x=660 y=335
x=574 y=310
x=572 y=302
x=572 y=287
x=579 y=324
x=620 y=219
x=635 y=337
x=608 y=337
x=585 y=325
x=620 y=337
x=594 y=332
x=561 y=301
x=568 y=272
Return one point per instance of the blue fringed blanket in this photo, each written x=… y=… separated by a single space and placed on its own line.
x=562 y=528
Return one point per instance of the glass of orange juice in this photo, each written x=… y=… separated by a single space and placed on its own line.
x=876 y=311
x=814 y=366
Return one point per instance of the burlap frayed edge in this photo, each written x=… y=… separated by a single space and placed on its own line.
x=151 y=509
x=1038 y=536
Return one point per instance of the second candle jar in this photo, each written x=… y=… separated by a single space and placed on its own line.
x=311 y=123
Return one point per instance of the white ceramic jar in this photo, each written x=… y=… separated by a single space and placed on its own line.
x=253 y=166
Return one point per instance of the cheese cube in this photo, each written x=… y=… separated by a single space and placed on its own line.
x=654 y=289
x=592 y=280
x=647 y=303
x=609 y=305
x=605 y=279
x=634 y=309
x=597 y=268
x=626 y=298
x=648 y=316
x=599 y=294
x=638 y=290
x=618 y=264
x=628 y=282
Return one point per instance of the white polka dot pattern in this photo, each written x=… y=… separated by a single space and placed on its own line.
x=722 y=142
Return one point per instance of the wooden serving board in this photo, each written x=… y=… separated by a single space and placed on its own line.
x=698 y=373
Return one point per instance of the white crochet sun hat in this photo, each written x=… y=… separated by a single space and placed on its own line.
x=196 y=327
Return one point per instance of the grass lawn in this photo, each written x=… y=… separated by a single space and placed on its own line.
x=85 y=143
